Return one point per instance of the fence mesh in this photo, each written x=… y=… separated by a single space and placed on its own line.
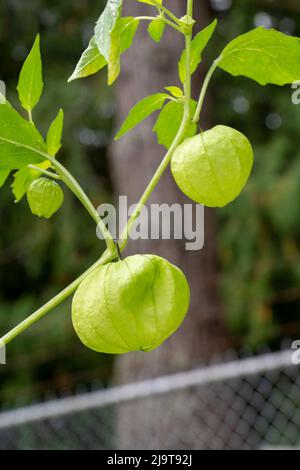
x=245 y=404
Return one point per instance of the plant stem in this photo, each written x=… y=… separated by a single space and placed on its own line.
x=106 y=257
x=170 y=23
x=179 y=137
x=146 y=18
x=162 y=18
x=111 y=253
x=30 y=116
x=204 y=89
x=166 y=11
x=74 y=186
x=152 y=185
x=190 y=8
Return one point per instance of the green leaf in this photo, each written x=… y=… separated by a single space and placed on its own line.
x=30 y=84
x=198 y=44
x=156 y=29
x=175 y=91
x=54 y=135
x=121 y=40
x=3 y=177
x=90 y=62
x=141 y=111
x=264 y=55
x=169 y=121
x=105 y=25
x=20 y=142
x=23 y=179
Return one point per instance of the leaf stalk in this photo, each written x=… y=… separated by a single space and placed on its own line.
x=112 y=253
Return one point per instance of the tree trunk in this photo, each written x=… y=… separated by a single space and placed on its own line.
x=146 y=69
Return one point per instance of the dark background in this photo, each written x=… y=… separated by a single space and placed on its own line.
x=258 y=235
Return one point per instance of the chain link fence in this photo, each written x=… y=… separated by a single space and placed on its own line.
x=251 y=403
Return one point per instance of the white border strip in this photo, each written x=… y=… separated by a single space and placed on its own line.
x=162 y=385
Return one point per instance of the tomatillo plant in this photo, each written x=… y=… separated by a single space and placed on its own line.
x=130 y=305
x=137 y=303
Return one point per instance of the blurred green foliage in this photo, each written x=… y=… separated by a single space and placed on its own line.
x=259 y=234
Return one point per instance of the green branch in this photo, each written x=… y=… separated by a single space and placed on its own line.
x=30 y=116
x=190 y=8
x=55 y=176
x=162 y=8
x=74 y=186
x=178 y=139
